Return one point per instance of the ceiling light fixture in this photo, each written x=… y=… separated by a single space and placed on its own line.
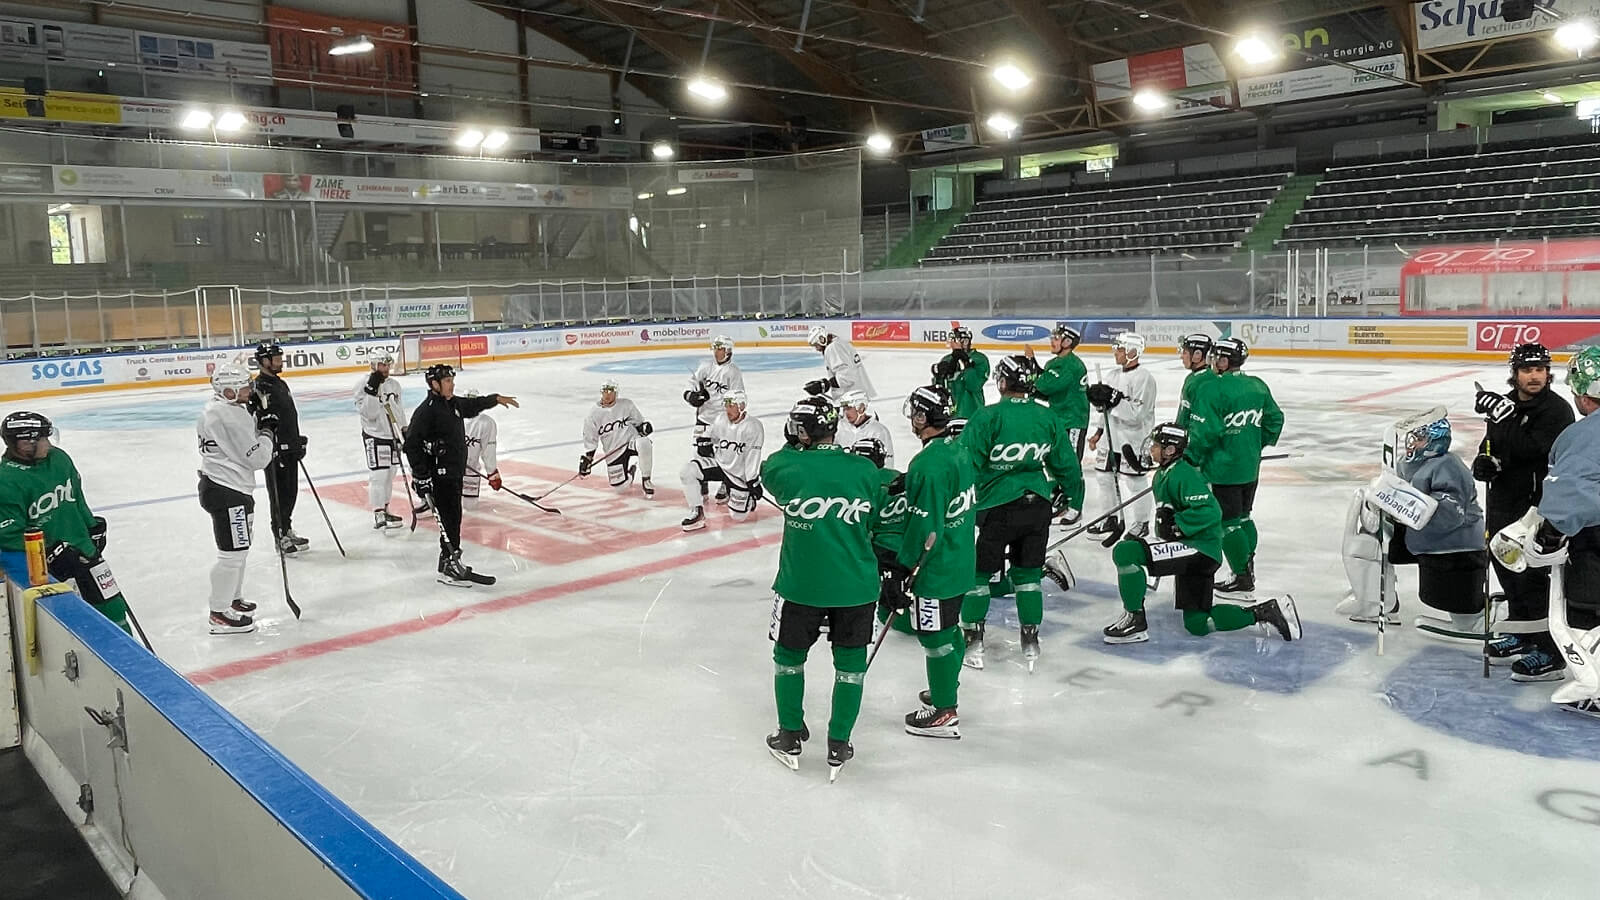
x=1256 y=50
x=1011 y=76
x=470 y=139
x=1150 y=100
x=1578 y=36
x=677 y=191
x=194 y=119
x=708 y=88
x=646 y=195
x=495 y=139
x=878 y=142
x=231 y=120
x=1002 y=124
x=362 y=44
x=662 y=150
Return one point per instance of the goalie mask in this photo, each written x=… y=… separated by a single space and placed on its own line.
x=1583 y=373
x=1427 y=441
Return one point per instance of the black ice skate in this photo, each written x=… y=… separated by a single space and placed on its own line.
x=1139 y=530
x=935 y=723
x=241 y=605
x=973 y=658
x=1057 y=570
x=287 y=546
x=1240 y=587
x=298 y=541
x=1130 y=629
x=382 y=519
x=1508 y=648
x=648 y=488
x=785 y=746
x=1537 y=665
x=839 y=753
x=229 y=622
x=453 y=573
x=1280 y=614
x=1104 y=527
x=696 y=520
x=1584 y=708
x=1030 y=645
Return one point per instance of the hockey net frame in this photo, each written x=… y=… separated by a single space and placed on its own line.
x=419 y=350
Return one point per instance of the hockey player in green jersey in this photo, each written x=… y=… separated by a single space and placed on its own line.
x=1195 y=353
x=827 y=574
x=888 y=529
x=962 y=372
x=1233 y=418
x=1188 y=546
x=1063 y=385
x=40 y=488
x=940 y=492
x=1019 y=447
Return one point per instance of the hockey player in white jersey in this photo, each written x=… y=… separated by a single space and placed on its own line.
x=619 y=433
x=1126 y=404
x=483 y=436
x=234 y=446
x=711 y=381
x=377 y=399
x=729 y=452
x=845 y=371
x=859 y=423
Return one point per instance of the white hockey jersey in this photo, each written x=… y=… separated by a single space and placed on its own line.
x=232 y=449
x=738 y=446
x=715 y=379
x=1133 y=418
x=482 y=436
x=873 y=427
x=373 y=421
x=610 y=428
x=844 y=367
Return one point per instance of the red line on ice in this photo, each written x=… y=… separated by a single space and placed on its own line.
x=1406 y=387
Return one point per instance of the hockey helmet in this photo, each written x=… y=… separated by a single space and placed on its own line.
x=439 y=372
x=1525 y=356
x=230 y=377
x=817 y=336
x=1066 y=334
x=722 y=342
x=1167 y=434
x=1015 y=374
x=932 y=402
x=871 y=448
x=961 y=333
x=1199 y=342
x=956 y=426
x=27 y=426
x=1427 y=440
x=815 y=417
x=1234 y=350
x=853 y=400
x=381 y=358
x=267 y=350
x=1130 y=343
x=1583 y=372
x=610 y=384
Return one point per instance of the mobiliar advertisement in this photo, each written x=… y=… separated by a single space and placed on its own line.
x=300 y=41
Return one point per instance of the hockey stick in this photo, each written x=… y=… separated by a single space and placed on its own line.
x=283 y=566
x=143 y=638
x=603 y=459
x=400 y=456
x=518 y=494
x=1488 y=604
x=927 y=548
x=313 y=485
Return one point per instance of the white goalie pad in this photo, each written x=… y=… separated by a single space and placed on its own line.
x=1514 y=548
x=1363 y=554
x=1396 y=498
x=1578 y=647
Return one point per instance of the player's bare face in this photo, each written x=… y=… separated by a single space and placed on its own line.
x=1121 y=356
x=1192 y=359
x=855 y=414
x=735 y=412
x=1057 y=345
x=32 y=450
x=381 y=368
x=1532 y=379
x=447 y=387
x=719 y=354
x=273 y=365
x=607 y=398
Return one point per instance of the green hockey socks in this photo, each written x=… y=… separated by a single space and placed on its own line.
x=1030 y=599
x=1225 y=616
x=849 y=676
x=943 y=651
x=1131 y=587
x=1238 y=543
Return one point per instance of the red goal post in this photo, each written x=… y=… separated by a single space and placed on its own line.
x=418 y=351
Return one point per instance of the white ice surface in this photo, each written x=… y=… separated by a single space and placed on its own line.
x=592 y=725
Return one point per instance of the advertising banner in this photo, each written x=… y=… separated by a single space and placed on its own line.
x=300 y=41
x=1506 y=257
x=352 y=189
x=394 y=313
x=202 y=57
x=25 y=179
x=706 y=176
x=1560 y=335
x=37 y=40
x=880 y=331
x=113 y=181
x=1322 y=81
x=687 y=333
x=949 y=137
x=1174 y=72
x=1368 y=39
x=1408 y=335
x=292 y=317
x=62 y=106
x=1454 y=23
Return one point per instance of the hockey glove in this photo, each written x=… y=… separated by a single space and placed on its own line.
x=962 y=357
x=696 y=398
x=897 y=485
x=494 y=480
x=1548 y=539
x=267 y=420
x=815 y=388
x=1494 y=407
x=1099 y=395
x=1058 y=501
x=1485 y=467
x=585 y=463
x=892 y=586
x=944 y=369
x=374 y=381
x=703 y=447
x=97 y=534
x=1167 y=523
x=645 y=429
x=423 y=486
x=756 y=492
x=64 y=561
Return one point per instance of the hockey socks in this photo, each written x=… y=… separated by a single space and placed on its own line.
x=849 y=675
x=789 y=686
x=901 y=622
x=975 y=605
x=1030 y=599
x=1225 y=616
x=1131 y=586
x=943 y=652
x=115 y=609
x=1239 y=541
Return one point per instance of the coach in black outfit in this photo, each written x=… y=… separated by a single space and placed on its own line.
x=436 y=447
x=283 y=473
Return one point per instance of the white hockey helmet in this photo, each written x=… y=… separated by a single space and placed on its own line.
x=610 y=384
x=1129 y=343
x=853 y=399
x=230 y=377
x=722 y=342
x=817 y=336
x=735 y=398
x=381 y=358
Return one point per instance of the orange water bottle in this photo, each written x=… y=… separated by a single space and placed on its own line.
x=33 y=548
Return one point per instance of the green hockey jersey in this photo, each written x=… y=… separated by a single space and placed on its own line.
x=890 y=526
x=942 y=496
x=830 y=501
x=1062 y=384
x=1233 y=418
x=966 y=385
x=1196 y=512
x=1019 y=445
x=1193 y=385
x=47 y=495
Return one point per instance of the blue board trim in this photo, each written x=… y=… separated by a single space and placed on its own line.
x=358 y=853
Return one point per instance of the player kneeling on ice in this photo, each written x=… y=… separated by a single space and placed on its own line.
x=40 y=488
x=234 y=446
x=827 y=574
x=730 y=452
x=1563 y=532
x=618 y=430
x=436 y=445
x=377 y=399
x=1438 y=525
x=1188 y=546
x=483 y=456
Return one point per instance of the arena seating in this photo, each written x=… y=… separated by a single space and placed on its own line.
x=1504 y=192
x=1198 y=215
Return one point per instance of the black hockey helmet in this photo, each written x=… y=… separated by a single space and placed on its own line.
x=267 y=350
x=1234 y=350
x=1525 y=356
x=1015 y=373
x=871 y=448
x=815 y=417
x=24 y=426
x=1168 y=434
x=932 y=402
x=961 y=333
x=955 y=427
x=439 y=372
x=1067 y=334
x=1199 y=342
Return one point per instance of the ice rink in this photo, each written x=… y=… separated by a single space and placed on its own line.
x=592 y=725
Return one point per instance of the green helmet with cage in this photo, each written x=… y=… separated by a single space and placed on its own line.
x=1583 y=372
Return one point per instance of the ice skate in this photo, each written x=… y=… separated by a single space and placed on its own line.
x=1589 y=708
x=973 y=658
x=935 y=723
x=383 y=520
x=229 y=622
x=648 y=488
x=722 y=494
x=298 y=541
x=1242 y=586
x=287 y=546
x=1508 y=648
x=453 y=573
x=785 y=746
x=1104 y=527
x=1130 y=629
x=696 y=520
x=1537 y=665
x=241 y=605
x=1070 y=517
x=1138 y=531
x=839 y=753
x=1280 y=615
x=1030 y=645
x=1057 y=570
x=1366 y=611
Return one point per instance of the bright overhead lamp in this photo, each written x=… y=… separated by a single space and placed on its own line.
x=878 y=142
x=1551 y=97
x=362 y=44
x=701 y=225
x=1002 y=124
x=495 y=139
x=1578 y=36
x=646 y=195
x=677 y=191
x=231 y=120
x=1148 y=99
x=1011 y=76
x=195 y=119
x=708 y=88
x=662 y=150
x=1256 y=50
x=470 y=139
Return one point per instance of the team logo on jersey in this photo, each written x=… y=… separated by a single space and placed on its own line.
x=735 y=446
x=844 y=509
x=898 y=507
x=961 y=504
x=1018 y=452
x=1242 y=418
x=609 y=427
x=47 y=503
